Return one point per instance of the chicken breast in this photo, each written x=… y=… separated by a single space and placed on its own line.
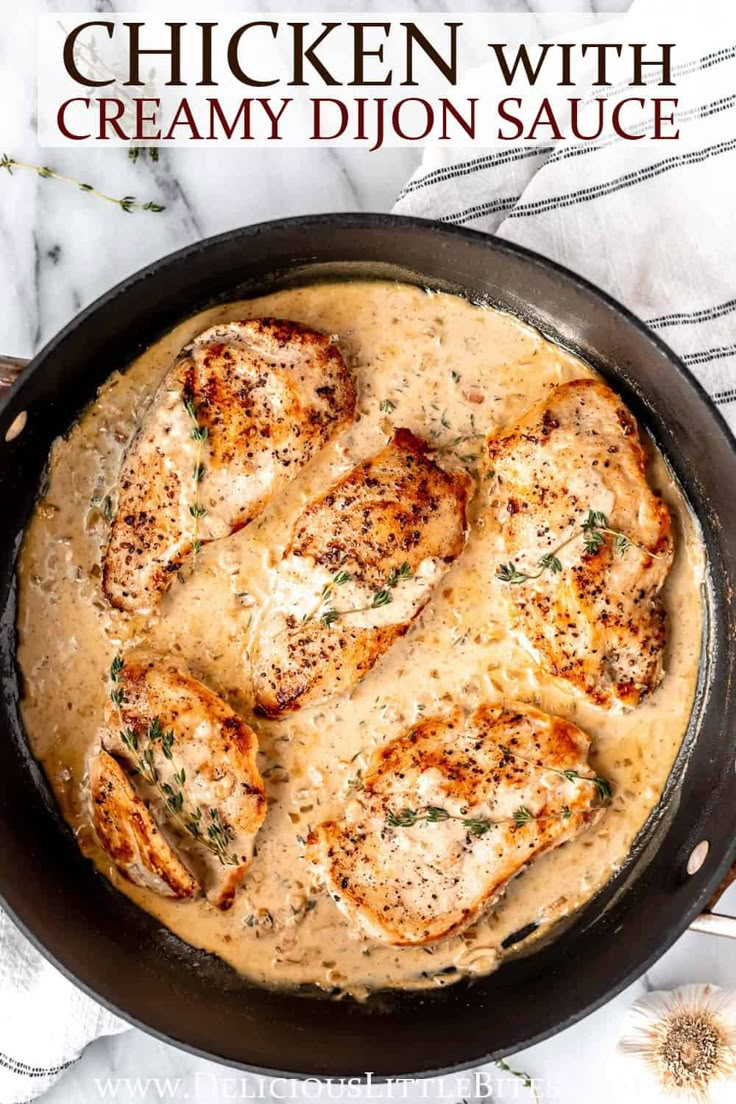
x=449 y=813
x=585 y=543
x=362 y=563
x=245 y=406
x=177 y=797
x=127 y=831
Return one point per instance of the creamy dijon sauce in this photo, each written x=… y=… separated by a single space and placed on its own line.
x=451 y=372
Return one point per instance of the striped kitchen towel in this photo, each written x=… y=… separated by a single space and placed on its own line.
x=45 y=1021
x=653 y=223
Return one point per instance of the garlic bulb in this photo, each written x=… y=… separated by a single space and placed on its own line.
x=681 y=1045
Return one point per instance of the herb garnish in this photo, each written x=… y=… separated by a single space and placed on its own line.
x=602 y=785
x=387 y=406
x=449 y=446
x=593 y=530
x=199 y=434
x=526 y=1080
x=207 y=827
x=328 y=615
x=382 y=597
x=477 y=826
x=126 y=203
x=356 y=783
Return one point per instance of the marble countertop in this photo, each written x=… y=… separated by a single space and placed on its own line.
x=60 y=249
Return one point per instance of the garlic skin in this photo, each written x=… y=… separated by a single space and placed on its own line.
x=680 y=1046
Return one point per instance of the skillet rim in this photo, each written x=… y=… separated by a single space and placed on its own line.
x=367 y=221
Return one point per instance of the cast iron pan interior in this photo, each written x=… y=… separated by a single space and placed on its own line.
x=121 y=954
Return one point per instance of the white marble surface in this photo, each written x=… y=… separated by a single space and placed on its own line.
x=59 y=249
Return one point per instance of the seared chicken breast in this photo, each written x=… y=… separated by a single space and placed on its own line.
x=362 y=562
x=244 y=407
x=176 y=795
x=585 y=543
x=128 y=832
x=449 y=813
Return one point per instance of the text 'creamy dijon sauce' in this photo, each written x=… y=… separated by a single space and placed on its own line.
x=451 y=372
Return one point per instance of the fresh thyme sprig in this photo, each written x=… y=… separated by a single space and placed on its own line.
x=126 y=203
x=478 y=826
x=602 y=785
x=593 y=530
x=219 y=836
x=199 y=434
x=328 y=615
x=521 y=1075
x=382 y=597
x=207 y=828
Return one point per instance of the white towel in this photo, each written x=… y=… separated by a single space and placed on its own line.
x=653 y=223
x=45 y=1021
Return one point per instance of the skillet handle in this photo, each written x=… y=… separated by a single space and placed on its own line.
x=717 y=923
x=10 y=369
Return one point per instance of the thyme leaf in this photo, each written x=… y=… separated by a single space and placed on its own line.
x=381 y=598
x=326 y=614
x=219 y=836
x=356 y=783
x=134 y=152
x=603 y=786
x=398 y=575
x=508 y=573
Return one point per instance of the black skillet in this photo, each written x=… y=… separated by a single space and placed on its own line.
x=123 y=956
